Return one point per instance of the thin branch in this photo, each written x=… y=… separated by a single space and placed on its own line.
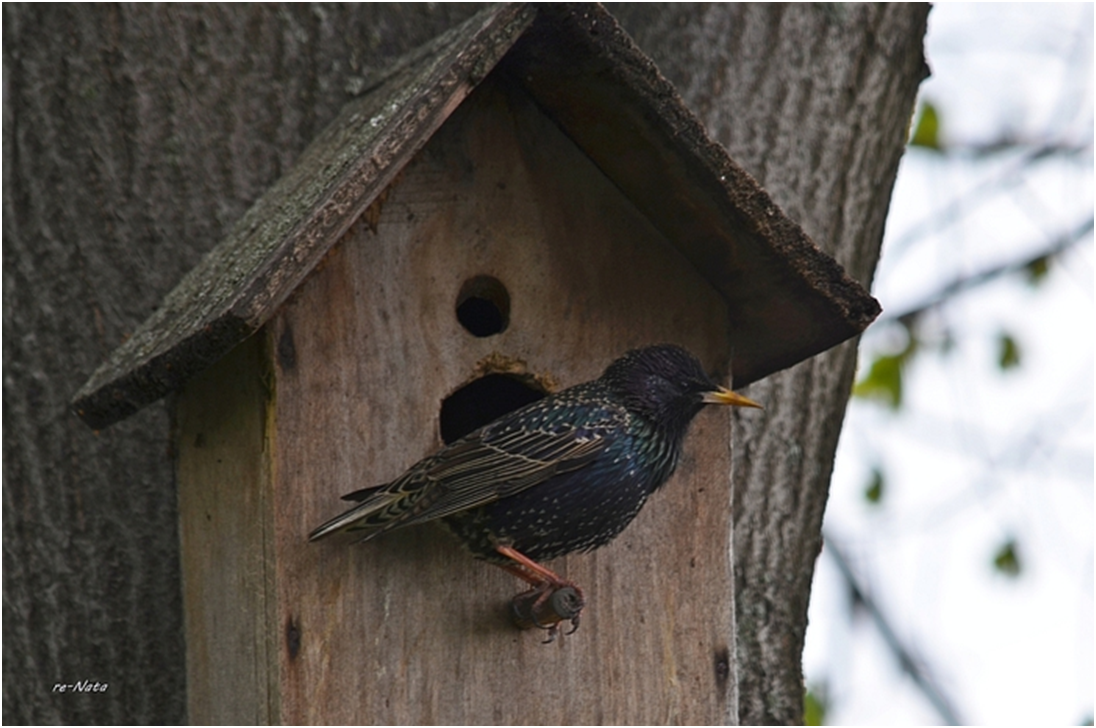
x=910 y=664
x=964 y=283
x=1011 y=174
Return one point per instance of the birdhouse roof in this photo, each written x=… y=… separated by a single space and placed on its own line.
x=787 y=300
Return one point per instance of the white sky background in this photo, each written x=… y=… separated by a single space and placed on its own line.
x=978 y=455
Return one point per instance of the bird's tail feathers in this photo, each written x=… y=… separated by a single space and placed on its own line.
x=363 y=493
x=356 y=518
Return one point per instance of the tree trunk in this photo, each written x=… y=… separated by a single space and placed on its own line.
x=134 y=136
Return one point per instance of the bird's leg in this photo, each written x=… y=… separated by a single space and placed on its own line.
x=551 y=599
x=531 y=571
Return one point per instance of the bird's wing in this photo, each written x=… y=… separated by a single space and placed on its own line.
x=479 y=470
x=471 y=472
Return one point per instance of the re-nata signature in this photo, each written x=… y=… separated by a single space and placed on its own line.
x=84 y=686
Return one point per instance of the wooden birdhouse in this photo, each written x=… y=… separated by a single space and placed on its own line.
x=507 y=210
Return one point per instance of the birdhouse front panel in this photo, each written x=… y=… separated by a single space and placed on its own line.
x=500 y=265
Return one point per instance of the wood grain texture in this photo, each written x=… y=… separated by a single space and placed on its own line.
x=408 y=628
x=226 y=540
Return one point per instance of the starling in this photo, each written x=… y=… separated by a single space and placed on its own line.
x=566 y=473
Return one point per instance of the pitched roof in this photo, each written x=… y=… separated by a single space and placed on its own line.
x=787 y=299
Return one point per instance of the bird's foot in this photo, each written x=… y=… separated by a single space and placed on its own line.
x=546 y=606
x=551 y=600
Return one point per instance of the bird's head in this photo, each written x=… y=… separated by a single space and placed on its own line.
x=667 y=385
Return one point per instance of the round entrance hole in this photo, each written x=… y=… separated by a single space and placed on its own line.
x=481 y=401
x=483 y=306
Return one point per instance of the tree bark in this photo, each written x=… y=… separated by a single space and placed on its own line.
x=135 y=136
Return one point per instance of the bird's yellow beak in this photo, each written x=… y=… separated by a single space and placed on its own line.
x=726 y=396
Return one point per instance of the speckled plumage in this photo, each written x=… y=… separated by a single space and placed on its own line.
x=564 y=474
x=583 y=508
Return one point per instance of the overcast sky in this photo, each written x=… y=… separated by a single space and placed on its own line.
x=978 y=457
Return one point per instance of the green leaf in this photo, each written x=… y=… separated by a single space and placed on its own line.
x=1007 y=559
x=814 y=707
x=874 y=492
x=883 y=380
x=926 y=132
x=1008 y=352
x=1037 y=269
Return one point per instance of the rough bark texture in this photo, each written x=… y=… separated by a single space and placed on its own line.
x=135 y=136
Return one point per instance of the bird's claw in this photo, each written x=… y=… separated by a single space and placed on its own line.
x=574 y=624
x=553 y=632
x=553 y=629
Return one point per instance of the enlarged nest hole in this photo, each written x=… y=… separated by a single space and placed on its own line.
x=483 y=306
x=484 y=400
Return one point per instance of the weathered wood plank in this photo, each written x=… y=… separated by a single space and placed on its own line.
x=225 y=522
x=408 y=628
